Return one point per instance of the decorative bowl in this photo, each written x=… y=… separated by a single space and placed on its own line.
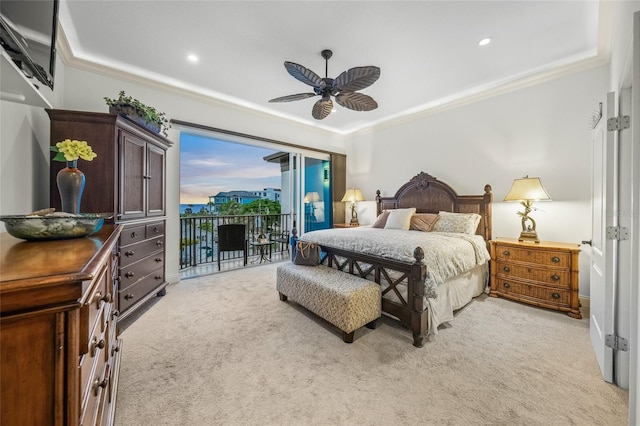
x=41 y=228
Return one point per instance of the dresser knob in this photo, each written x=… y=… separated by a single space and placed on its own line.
x=158 y=259
x=95 y=345
x=155 y=229
x=115 y=313
x=129 y=274
x=506 y=285
x=134 y=234
x=158 y=277
x=159 y=243
x=115 y=349
x=100 y=384
x=506 y=253
x=129 y=253
x=129 y=296
x=555 y=277
x=100 y=298
x=506 y=269
x=555 y=259
x=555 y=295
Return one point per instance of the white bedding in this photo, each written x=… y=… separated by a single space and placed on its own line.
x=445 y=254
x=457 y=264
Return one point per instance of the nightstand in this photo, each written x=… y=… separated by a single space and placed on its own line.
x=543 y=274
x=344 y=225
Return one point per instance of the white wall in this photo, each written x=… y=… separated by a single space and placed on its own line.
x=540 y=130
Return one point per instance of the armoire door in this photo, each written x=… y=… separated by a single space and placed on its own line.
x=155 y=180
x=132 y=177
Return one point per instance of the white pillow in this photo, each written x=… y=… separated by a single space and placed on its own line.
x=399 y=218
x=465 y=223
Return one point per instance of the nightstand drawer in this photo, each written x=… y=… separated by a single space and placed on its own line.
x=533 y=255
x=533 y=293
x=554 y=277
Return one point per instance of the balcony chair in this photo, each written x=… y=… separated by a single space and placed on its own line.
x=282 y=238
x=232 y=237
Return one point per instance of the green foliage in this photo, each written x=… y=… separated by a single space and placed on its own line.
x=262 y=207
x=147 y=112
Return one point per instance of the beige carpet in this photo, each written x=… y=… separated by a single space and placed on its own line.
x=224 y=350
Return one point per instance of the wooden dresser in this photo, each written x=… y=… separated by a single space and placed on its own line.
x=58 y=346
x=544 y=274
x=127 y=179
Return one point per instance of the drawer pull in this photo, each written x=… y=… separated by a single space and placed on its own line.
x=106 y=298
x=96 y=345
x=158 y=259
x=159 y=243
x=158 y=277
x=134 y=234
x=129 y=274
x=555 y=259
x=555 y=277
x=115 y=314
x=129 y=253
x=129 y=296
x=115 y=349
x=506 y=285
x=555 y=295
x=506 y=269
x=155 y=229
x=506 y=253
x=100 y=384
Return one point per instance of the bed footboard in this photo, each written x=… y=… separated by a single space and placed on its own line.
x=412 y=310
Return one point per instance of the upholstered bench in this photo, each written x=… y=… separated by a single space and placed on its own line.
x=344 y=300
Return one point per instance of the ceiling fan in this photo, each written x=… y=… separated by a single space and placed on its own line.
x=343 y=88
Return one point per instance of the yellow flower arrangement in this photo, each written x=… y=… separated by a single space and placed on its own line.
x=72 y=150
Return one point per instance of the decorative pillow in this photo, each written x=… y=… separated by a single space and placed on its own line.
x=423 y=221
x=381 y=220
x=400 y=219
x=465 y=223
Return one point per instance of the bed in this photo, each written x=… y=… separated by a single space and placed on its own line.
x=424 y=276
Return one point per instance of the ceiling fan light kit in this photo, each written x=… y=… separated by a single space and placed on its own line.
x=343 y=88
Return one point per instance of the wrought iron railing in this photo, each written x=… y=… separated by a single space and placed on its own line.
x=199 y=235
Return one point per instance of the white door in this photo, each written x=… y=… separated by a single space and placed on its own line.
x=603 y=251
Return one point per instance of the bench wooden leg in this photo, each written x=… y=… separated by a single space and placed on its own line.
x=347 y=337
x=282 y=297
x=372 y=325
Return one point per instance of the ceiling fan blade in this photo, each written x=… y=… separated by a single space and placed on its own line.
x=356 y=101
x=304 y=75
x=295 y=97
x=356 y=79
x=322 y=108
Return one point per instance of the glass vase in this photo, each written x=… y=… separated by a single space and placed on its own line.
x=70 y=182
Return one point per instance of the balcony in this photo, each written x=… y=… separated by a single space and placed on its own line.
x=199 y=242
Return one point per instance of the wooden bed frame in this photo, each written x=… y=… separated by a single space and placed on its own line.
x=428 y=195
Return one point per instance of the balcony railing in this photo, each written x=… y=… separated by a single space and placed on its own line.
x=199 y=236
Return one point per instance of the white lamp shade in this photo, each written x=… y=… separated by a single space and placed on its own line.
x=527 y=189
x=311 y=197
x=353 y=195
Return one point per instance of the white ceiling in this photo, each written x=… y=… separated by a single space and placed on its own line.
x=427 y=50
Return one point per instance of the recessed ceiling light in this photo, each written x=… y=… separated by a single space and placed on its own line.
x=484 y=41
x=192 y=58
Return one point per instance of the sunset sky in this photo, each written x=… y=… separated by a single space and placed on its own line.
x=209 y=166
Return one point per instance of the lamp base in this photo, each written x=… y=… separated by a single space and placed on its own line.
x=529 y=236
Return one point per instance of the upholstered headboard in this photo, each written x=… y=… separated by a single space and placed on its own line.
x=429 y=195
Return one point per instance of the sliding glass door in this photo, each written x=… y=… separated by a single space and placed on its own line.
x=311 y=194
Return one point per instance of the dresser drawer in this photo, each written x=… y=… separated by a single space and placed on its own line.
x=130 y=274
x=92 y=361
x=533 y=293
x=132 y=235
x=134 y=252
x=129 y=296
x=553 y=277
x=154 y=229
x=534 y=255
x=92 y=311
x=95 y=399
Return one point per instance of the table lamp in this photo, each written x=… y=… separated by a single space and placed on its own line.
x=352 y=195
x=526 y=191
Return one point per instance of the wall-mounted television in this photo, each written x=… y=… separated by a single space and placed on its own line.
x=28 y=35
